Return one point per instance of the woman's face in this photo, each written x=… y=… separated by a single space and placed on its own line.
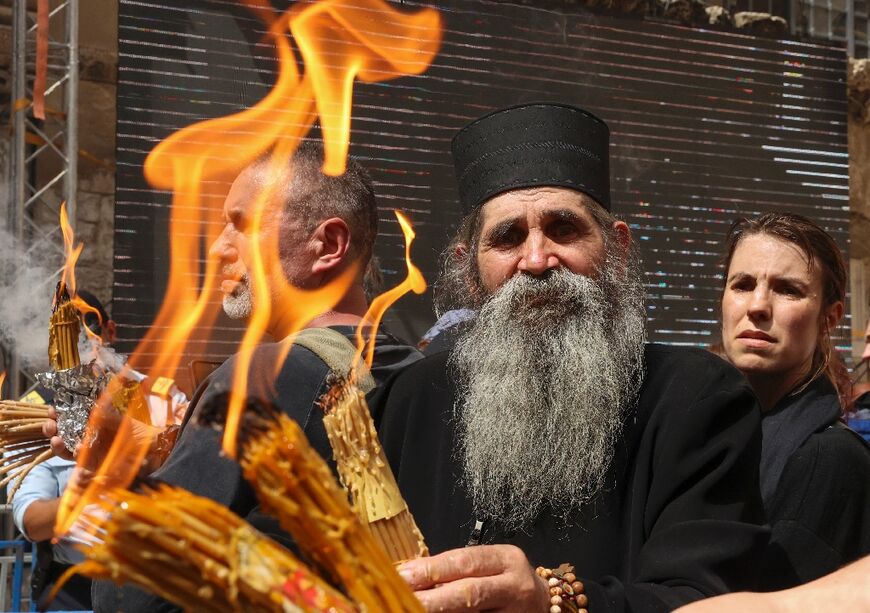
x=772 y=309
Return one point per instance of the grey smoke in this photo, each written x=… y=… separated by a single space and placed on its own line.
x=27 y=282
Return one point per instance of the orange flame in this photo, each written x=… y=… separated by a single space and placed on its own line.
x=2 y=381
x=414 y=282
x=84 y=308
x=71 y=254
x=367 y=40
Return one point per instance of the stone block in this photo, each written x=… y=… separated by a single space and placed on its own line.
x=761 y=24
x=96 y=127
x=98 y=180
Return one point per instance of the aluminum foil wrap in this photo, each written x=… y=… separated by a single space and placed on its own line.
x=75 y=391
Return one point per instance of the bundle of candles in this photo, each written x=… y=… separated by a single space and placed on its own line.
x=21 y=441
x=365 y=473
x=296 y=485
x=63 y=332
x=198 y=554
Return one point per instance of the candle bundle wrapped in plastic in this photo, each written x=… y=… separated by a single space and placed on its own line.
x=21 y=441
x=365 y=473
x=295 y=484
x=198 y=554
x=63 y=332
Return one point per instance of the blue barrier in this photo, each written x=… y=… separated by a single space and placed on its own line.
x=17 y=569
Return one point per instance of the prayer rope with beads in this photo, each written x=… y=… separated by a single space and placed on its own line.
x=566 y=592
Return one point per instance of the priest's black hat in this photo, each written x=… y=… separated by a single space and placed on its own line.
x=531 y=145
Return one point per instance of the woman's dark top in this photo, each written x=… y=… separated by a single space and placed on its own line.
x=815 y=484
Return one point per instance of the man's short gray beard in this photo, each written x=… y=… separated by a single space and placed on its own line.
x=239 y=304
x=546 y=375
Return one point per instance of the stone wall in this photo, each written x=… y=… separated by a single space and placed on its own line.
x=859 y=199
x=98 y=57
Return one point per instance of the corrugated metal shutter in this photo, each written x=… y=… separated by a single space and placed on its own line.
x=706 y=126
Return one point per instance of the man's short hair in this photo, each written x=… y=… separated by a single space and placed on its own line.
x=311 y=197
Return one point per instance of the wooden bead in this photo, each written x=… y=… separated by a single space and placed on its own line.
x=555 y=591
x=582 y=600
x=555 y=609
x=553 y=582
x=569 y=577
x=556 y=600
x=577 y=586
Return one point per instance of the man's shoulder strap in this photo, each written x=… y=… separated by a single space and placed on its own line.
x=336 y=350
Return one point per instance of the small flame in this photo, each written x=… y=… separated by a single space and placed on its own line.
x=2 y=381
x=71 y=254
x=414 y=282
x=84 y=308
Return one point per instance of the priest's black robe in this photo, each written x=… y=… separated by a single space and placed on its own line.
x=680 y=517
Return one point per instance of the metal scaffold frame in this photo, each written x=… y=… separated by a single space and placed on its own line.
x=43 y=157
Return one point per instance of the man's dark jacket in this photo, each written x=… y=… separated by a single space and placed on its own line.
x=196 y=463
x=680 y=518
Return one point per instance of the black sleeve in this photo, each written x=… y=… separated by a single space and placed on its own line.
x=820 y=513
x=197 y=464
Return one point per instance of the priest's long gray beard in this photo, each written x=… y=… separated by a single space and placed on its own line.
x=545 y=377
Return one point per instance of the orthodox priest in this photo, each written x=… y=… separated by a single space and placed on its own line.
x=552 y=434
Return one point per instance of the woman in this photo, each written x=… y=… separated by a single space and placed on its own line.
x=784 y=292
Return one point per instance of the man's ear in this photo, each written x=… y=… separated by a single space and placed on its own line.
x=460 y=251
x=331 y=241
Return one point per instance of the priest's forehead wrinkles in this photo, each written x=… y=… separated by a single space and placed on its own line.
x=547 y=215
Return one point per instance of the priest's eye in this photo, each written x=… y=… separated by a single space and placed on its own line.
x=563 y=230
x=506 y=238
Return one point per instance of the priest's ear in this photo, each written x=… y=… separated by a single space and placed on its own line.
x=622 y=234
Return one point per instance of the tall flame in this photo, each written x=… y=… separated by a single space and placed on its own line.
x=340 y=41
x=71 y=253
x=369 y=41
x=2 y=381
x=414 y=281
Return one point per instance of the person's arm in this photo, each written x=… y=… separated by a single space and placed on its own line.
x=39 y=519
x=34 y=506
x=845 y=590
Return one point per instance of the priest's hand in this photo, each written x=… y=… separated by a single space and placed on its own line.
x=480 y=578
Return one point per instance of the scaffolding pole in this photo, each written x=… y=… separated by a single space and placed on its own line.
x=44 y=153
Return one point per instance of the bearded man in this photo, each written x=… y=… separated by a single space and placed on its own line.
x=552 y=432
